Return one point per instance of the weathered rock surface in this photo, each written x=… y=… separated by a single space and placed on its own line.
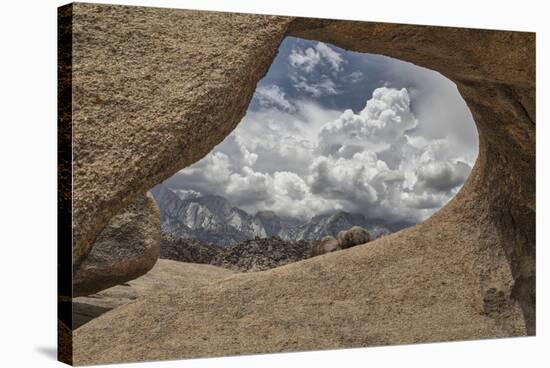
x=64 y=342
x=166 y=275
x=247 y=256
x=356 y=235
x=187 y=250
x=262 y=254
x=308 y=305
x=352 y=237
x=155 y=89
x=327 y=244
x=127 y=248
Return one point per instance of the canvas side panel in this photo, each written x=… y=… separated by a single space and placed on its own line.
x=64 y=184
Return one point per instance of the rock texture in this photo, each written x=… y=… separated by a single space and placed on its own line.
x=345 y=239
x=164 y=276
x=187 y=250
x=326 y=245
x=352 y=237
x=362 y=296
x=495 y=74
x=263 y=254
x=64 y=343
x=248 y=256
x=127 y=248
x=155 y=89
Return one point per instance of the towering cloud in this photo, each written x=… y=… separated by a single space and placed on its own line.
x=301 y=152
x=381 y=124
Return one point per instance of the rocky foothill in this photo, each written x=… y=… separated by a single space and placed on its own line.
x=257 y=254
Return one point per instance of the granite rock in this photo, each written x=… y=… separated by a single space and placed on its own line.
x=127 y=248
x=154 y=90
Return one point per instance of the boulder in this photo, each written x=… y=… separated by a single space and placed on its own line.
x=352 y=237
x=327 y=244
x=127 y=248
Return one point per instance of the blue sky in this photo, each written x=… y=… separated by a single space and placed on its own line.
x=331 y=130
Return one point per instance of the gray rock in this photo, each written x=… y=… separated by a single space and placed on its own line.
x=352 y=237
x=127 y=248
x=187 y=250
x=262 y=254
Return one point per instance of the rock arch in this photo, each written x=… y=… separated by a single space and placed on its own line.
x=154 y=90
x=497 y=81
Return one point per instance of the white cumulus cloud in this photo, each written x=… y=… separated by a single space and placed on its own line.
x=315 y=69
x=311 y=57
x=313 y=160
x=272 y=95
x=383 y=121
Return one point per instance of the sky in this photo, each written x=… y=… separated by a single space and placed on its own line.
x=331 y=130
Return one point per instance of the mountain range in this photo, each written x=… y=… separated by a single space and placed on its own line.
x=213 y=219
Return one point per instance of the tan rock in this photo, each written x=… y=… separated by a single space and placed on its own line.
x=127 y=248
x=147 y=105
x=352 y=237
x=165 y=275
x=154 y=90
x=327 y=244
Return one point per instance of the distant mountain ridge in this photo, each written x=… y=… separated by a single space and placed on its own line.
x=214 y=220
